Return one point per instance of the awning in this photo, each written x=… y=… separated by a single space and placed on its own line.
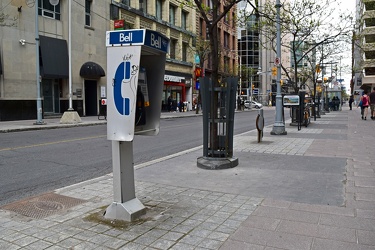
x=55 y=58
x=91 y=70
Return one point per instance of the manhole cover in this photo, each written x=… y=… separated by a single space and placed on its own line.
x=48 y=205
x=42 y=206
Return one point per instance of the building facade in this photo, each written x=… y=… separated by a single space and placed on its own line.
x=364 y=47
x=258 y=52
x=90 y=19
x=249 y=52
x=19 y=33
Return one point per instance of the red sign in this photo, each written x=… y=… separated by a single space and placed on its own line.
x=119 y=24
x=198 y=72
x=104 y=102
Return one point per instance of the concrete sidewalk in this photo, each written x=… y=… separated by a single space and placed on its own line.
x=309 y=189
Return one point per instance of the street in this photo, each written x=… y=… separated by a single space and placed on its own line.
x=34 y=162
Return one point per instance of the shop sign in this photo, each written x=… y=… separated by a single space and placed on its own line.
x=119 y=24
x=170 y=78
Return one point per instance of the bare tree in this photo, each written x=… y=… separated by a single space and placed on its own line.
x=305 y=22
x=212 y=13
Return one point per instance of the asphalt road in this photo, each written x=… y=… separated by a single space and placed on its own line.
x=34 y=162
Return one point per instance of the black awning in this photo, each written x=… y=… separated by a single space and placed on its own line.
x=54 y=58
x=91 y=70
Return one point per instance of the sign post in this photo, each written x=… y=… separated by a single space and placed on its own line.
x=133 y=106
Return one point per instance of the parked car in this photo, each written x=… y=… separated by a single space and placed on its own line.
x=254 y=104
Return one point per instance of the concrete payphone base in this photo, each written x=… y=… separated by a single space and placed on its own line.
x=127 y=211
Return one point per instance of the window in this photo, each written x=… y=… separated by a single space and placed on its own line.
x=172 y=14
x=184 y=52
x=233 y=19
x=209 y=4
x=48 y=10
x=226 y=40
x=172 y=49
x=201 y=27
x=143 y=6
x=159 y=5
x=88 y=12
x=184 y=16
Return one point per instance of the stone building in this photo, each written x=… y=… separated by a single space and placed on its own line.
x=90 y=19
x=363 y=47
x=18 y=81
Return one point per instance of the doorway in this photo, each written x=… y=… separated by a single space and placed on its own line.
x=91 y=93
x=51 y=96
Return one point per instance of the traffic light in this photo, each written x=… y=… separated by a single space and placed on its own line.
x=281 y=82
x=252 y=86
x=274 y=71
x=317 y=68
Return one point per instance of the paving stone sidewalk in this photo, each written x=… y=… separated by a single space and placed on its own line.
x=184 y=215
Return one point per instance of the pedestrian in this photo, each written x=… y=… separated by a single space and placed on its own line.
x=181 y=104
x=365 y=103
x=169 y=103
x=360 y=105
x=351 y=100
x=372 y=103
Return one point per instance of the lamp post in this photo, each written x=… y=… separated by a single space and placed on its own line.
x=239 y=102
x=70 y=116
x=326 y=104
x=278 y=126
x=39 y=110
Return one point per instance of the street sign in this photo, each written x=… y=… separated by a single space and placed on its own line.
x=255 y=91
x=103 y=101
x=277 y=61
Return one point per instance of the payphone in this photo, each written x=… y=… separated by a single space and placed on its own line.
x=133 y=107
x=143 y=101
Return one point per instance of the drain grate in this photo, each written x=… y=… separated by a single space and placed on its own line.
x=39 y=207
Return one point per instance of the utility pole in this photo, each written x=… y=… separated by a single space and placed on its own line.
x=278 y=126
x=39 y=110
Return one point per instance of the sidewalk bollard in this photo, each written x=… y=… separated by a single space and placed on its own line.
x=260 y=124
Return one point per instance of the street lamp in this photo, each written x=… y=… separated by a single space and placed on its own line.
x=65 y=119
x=70 y=116
x=37 y=70
x=278 y=126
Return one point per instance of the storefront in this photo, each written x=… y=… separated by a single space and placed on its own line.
x=176 y=88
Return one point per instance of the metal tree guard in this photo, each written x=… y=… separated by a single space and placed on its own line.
x=218 y=124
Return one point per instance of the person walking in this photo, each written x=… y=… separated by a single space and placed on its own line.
x=372 y=103
x=365 y=103
x=169 y=103
x=351 y=100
